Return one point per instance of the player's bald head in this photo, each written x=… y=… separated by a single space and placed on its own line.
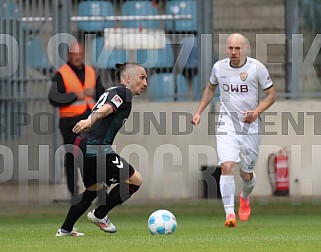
x=237 y=48
x=237 y=39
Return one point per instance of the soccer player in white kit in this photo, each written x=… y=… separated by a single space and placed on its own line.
x=240 y=80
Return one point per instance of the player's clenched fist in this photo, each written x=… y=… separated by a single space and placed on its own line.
x=196 y=119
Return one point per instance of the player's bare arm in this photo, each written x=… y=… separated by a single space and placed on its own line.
x=100 y=113
x=207 y=96
x=251 y=116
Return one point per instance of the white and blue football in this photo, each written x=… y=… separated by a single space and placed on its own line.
x=162 y=222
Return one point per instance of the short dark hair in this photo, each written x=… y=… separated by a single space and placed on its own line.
x=122 y=66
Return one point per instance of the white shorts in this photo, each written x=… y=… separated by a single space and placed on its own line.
x=242 y=149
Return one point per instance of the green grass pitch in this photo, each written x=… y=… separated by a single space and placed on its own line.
x=273 y=226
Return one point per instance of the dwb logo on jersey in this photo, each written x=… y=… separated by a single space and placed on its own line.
x=117 y=101
x=235 y=88
x=243 y=76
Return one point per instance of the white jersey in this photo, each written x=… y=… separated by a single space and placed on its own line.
x=239 y=92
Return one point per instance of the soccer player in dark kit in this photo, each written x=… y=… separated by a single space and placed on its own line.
x=101 y=165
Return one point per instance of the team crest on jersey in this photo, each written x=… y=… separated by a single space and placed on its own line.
x=243 y=76
x=117 y=101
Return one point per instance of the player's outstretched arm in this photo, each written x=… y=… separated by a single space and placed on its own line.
x=268 y=100
x=98 y=114
x=207 y=96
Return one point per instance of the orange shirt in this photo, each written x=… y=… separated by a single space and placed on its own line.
x=73 y=84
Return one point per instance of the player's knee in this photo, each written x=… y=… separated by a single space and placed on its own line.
x=95 y=187
x=136 y=179
x=246 y=177
x=228 y=168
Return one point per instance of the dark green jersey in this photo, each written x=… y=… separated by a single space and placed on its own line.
x=102 y=134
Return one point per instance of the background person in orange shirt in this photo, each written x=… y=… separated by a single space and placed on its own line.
x=75 y=89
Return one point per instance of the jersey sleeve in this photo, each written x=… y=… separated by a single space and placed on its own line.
x=118 y=97
x=213 y=78
x=264 y=77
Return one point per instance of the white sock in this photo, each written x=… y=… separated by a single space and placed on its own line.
x=247 y=187
x=227 y=187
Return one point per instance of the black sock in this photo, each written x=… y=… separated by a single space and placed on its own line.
x=101 y=196
x=75 y=211
x=116 y=196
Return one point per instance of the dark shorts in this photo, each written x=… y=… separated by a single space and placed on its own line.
x=108 y=169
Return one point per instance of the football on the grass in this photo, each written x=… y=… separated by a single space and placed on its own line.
x=162 y=222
